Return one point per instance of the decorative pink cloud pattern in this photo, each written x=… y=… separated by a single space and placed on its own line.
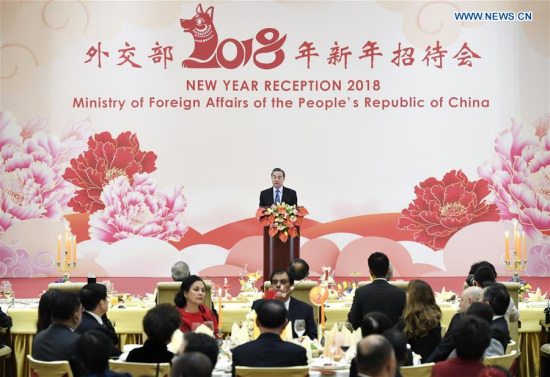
x=519 y=176
x=19 y=263
x=138 y=208
x=538 y=263
x=31 y=166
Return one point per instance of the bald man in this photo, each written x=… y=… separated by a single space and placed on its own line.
x=375 y=357
x=444 y=349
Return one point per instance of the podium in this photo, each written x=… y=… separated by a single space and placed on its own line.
x=278 y=254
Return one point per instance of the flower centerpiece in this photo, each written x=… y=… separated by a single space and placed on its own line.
x=523 y=285
x=282 y=219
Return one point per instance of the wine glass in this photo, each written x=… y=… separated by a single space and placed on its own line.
x=210 y=325
x=300 y=327
x=7 y=290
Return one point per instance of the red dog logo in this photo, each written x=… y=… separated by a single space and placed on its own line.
x=208 y=53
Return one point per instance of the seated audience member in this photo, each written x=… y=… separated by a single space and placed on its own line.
x=486 y=275
x=93 y=297
x=445 y=347
x=471 y=338
x=192 y=364
x=420 y=322
x=196 y=342
x=470 y=278
x=92 y=350
x=281 y=283
x=398 y=341
x=378 y=296
x=498 y=298
x=269 y=350
x=495 y=371
x=159 y=325
x=44 y=315
x=375 y=357
x=375 y=323
x=5 y=320
x=180 y=271
x=190 y=301
x=298 y=269
x=56 y=342
x=485 y=312
x=372 y=323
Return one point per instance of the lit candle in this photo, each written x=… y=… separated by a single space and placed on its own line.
x=507 y=245
x=322 y=308
x=68 y=253
x=524 y=249
x=220 y=309
x=74 y=249
x=59 y=248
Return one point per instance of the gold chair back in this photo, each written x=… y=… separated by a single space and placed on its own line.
x=424 y=370
x=49 y=368
x=167 y=290
x=512 y=346
x=140 y=369
x=67 y=287
x=301 y=292
x=505 y=361
x=404 y=285
x=272 y=372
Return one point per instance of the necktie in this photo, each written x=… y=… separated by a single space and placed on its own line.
x=277 y=197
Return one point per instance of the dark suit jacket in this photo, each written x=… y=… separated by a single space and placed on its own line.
x=298 y=310
x=54 y=344
x=444 y=349
x=500 y=332
x=268 y=351
x=378 y=296
x=5 y=320
x=289 y=197
x=89 y=323
x=151 y=352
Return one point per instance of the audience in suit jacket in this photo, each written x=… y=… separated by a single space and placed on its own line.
x=298 y=310
x=498 y=298
x=269 y=350
x=56 y=342
x=92 y=350
x=378 y=296
x=93 y=297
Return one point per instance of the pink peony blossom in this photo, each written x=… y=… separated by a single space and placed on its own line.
x=31 y=167
x=519 y=176
x=137 y=208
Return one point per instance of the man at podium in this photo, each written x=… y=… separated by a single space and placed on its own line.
x=278 y=193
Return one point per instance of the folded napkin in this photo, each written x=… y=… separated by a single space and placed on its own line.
x=537 y=296
x=445 y=295
x=239 y=335
x=203 y=329
x=306 y=343
x=287 y=332
x=175 y=343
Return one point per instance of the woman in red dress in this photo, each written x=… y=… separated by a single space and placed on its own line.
x=190 y=300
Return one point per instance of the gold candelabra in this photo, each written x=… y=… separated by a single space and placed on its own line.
x=68 y=261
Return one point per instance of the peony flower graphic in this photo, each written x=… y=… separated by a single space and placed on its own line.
x=442 y=208
x=135 y=208
x=105 y=159
x=519 y=176
x=31 y=167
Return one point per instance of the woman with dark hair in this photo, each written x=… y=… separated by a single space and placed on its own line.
x=44 y=315
x=190 y=300
x=92 y=351
x=420 y=321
